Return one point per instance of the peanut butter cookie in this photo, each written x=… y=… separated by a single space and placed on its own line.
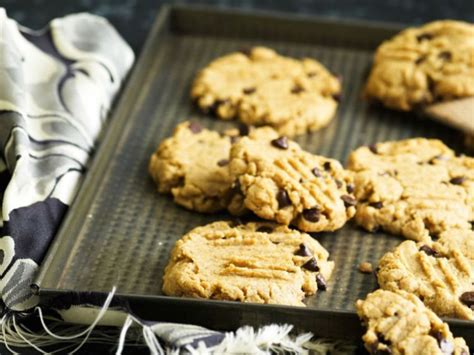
x=399 y=323
x=440 y=273
x=192 y=165
x=253 y=262
x=261 y=87
x=282 y=182
x=423 y=65
x=417 y=188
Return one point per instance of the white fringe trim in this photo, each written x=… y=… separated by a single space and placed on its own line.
x=269 y=339
x=246 y=340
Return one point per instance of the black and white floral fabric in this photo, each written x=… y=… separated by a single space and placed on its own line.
x=56 y=88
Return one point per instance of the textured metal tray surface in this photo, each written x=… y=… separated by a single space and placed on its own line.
x=120 y=230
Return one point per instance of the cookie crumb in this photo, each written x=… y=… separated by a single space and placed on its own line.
x=365 y=267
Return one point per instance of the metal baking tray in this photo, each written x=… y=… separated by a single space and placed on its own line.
x=120 y=231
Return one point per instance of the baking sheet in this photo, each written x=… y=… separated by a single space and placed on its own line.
x=119 y=232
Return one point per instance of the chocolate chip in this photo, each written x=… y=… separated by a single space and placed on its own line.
x=384 y=340
x=431 y=85
x=438 y=157
x=237 y=185
x=303 y=250
x=338 y=183
x=265 y=229
x=222 y=101
x=420 y=59
x=327 y=166
x=236 y=188
x=312 y=214
x=281 y=142
x=223 y=162
x=467 y=298
x=321 y=282
x=195 y=127
x=213 y=108
x=337 y=97
x=316 y=172
x=350 y=188
x=429 y=251
x=244 y=130
x=297 y=89
x=424 y=37
x=311 y=265
x=348 y=200
x=248 y=91
x=234 y=139
x=311 y=74
x=283 y=199
x=458 y=180
x=378 y=205
x=445 y=345
x=373 y=148
x=445 y=55
x=437 y=335
x=181 y=181
x=246 y=51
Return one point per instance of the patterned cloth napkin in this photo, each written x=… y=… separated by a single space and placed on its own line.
x=56 y=88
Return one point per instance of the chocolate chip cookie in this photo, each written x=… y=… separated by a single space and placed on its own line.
x=193 y=166
x=423 y=65
x=398 y=323
x=440 y=273
x=282 y=182
x=261 y=87
x=417 y=188
x=253 y=262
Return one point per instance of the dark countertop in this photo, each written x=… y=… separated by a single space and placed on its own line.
x=133 y=18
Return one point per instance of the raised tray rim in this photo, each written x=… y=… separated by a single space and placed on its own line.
x=117 y=129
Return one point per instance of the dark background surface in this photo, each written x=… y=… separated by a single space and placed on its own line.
x=133 y=19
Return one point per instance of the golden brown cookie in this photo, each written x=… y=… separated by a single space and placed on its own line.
x=262 y=87
x=253 y=262
x=440 y=273
x=423 y=65
x=399 y=323
x=282 y=182
x=414 y=187
x=193 y=166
